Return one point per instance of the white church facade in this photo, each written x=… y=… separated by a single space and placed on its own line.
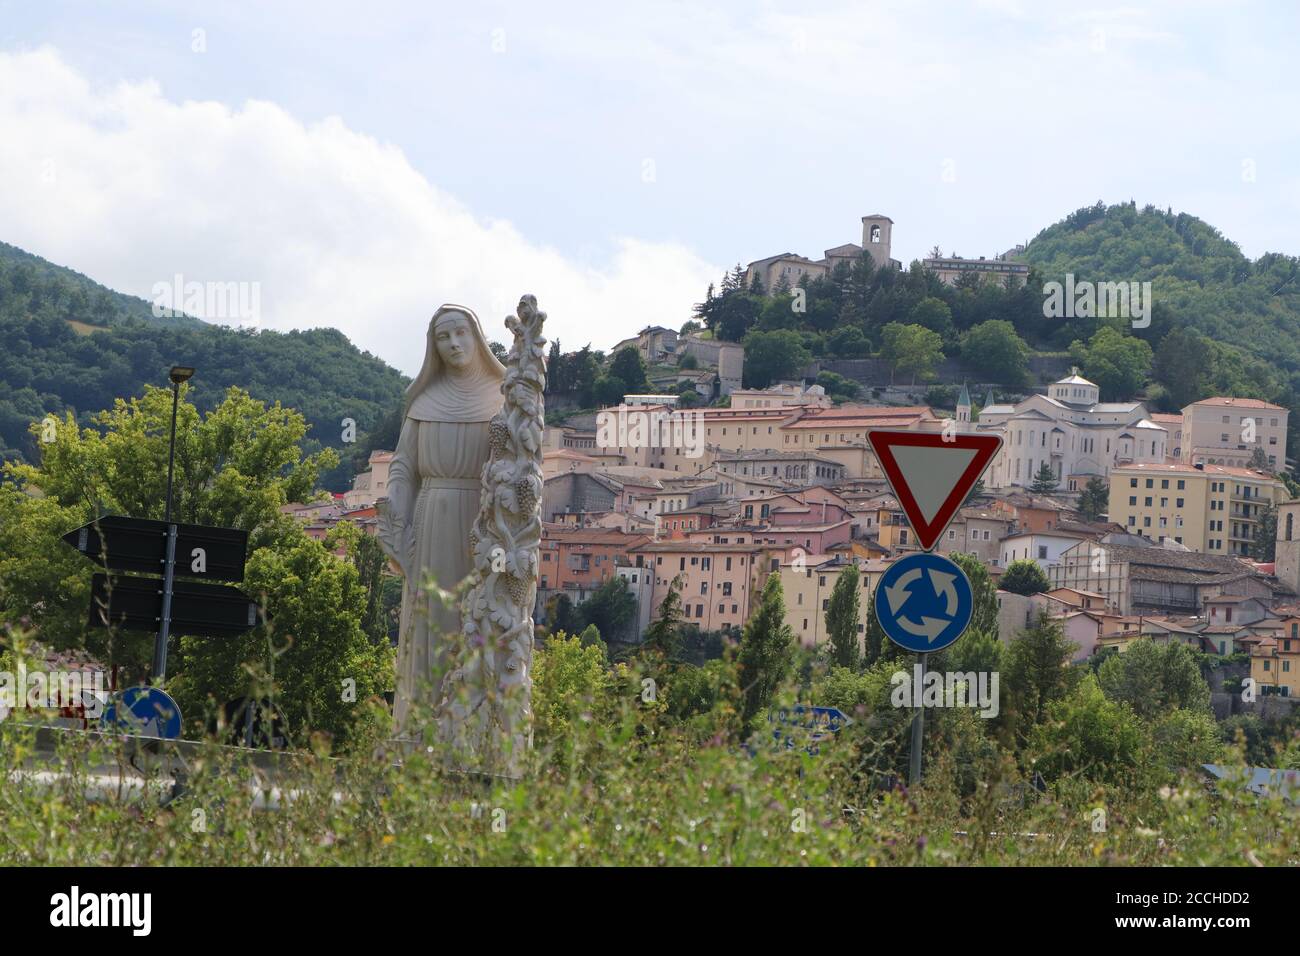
x=1076 y=434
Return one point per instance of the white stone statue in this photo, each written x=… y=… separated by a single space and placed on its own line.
x=465 y=503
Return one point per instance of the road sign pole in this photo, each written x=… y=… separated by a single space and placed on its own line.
x=165 y=622
x=918 y=726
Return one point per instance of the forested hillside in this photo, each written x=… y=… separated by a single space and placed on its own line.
x=71 y=344
x=1200 y=276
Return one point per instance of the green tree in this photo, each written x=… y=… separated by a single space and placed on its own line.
x=235 y=467
x=311 y=656
x=842 y=615
x=1186 y=739
x=663 y=635
x=771 y=356
x=1264 y=545
x=1181 y=364
x=570 y=680
x=838 y=387
x=848 y=341
x=1153 y=678
x=932 y=313
x=608 y=390
x=1118 y=363
x=1086 y=734
x=911 y=349
x=1045 y=480
x=993 y=349
x=1094 y=500
x=590 y=637
x=875 y=639
x=611 y=608
x=367 y=556
x=1024 y=576
x=629 y=368
x=766 y=653
x=984 y=614
x=1037 y=664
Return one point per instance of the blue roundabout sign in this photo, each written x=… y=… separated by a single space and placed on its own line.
x=924 y=602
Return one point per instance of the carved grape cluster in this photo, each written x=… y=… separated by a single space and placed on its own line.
x=499 y=437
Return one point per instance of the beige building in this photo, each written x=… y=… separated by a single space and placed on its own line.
x=998 y=269
x=1227 y=431
x=369 y=486
x=789 y=267
x=807 y=583
x=1154 y=580
x=781 y=396
x=784 y=270
x=1212 y=509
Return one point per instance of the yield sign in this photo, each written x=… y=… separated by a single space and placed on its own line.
x=931 y=473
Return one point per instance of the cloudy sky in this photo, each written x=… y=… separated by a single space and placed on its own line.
x=366 y=162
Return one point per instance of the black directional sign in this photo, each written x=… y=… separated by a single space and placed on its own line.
x=200 y=610
x=166 y=604
x=140 y=545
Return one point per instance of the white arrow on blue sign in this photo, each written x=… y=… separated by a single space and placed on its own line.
x=924 y=602
x=810 y=725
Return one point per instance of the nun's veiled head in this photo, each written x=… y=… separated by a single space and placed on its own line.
x=453 y=334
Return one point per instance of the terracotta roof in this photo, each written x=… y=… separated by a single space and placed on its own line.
x=1239 y=403
x=1167 y=467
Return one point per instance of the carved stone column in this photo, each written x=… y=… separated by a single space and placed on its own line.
x=485 y=713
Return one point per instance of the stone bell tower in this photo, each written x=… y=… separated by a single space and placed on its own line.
x=876 y=238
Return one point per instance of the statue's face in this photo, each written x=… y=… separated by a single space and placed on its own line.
x=455 y=341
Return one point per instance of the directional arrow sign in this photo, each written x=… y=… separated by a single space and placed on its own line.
x=924 y=602
x=201 y=610
x=931 y=473
x=140 y=544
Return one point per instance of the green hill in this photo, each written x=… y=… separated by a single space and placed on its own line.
x=1201 y=279
x=72 y=344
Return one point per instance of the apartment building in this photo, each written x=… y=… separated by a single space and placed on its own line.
x=582 y=558
x=1275 y=661
x=807 y=585
x=715 y=579
x=1213 y=509
x=1228 y=431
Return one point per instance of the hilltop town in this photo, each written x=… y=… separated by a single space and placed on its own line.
x=1143 y=525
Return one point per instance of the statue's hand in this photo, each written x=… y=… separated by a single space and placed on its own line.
x=397 y=538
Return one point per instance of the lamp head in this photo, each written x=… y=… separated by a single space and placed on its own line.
x=180 y=373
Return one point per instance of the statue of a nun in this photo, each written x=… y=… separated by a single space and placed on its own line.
x=434 y=489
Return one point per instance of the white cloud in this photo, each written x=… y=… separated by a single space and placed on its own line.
x=131 y=188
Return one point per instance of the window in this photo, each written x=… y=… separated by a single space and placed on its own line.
x=1042 y=552
x=704 y=587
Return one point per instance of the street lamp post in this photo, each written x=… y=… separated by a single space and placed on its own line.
x=178 y=374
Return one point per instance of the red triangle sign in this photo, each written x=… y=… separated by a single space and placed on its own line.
x=931 y=473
